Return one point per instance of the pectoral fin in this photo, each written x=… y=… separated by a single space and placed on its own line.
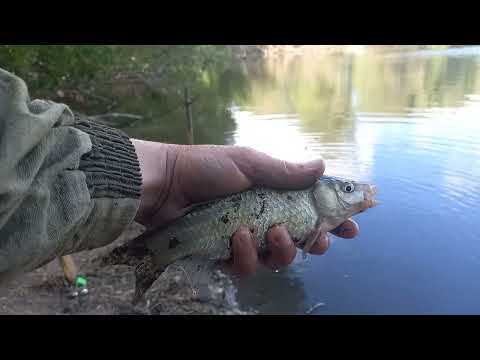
x=308 y=241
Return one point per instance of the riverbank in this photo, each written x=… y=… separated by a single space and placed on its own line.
x=111 y=287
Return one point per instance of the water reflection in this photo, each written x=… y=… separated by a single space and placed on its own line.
x=399 y=84
x=407 y=123
x=318 y=91
x=274 y=293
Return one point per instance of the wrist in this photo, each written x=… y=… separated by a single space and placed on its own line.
x=156 y=167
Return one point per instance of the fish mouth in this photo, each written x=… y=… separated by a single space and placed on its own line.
x=369 y=196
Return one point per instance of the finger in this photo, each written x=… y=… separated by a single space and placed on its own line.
x=262 y=169
x=349 y=229
x=321 y=244
x=281 y=248
x=244 y=253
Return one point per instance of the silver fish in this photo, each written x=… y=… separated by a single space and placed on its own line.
x=203 y=235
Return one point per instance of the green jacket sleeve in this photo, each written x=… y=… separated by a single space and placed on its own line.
x=66 y=184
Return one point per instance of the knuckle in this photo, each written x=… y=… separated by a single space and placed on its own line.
x=246 y=150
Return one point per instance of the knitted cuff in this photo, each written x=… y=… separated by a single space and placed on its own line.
x=111 y=167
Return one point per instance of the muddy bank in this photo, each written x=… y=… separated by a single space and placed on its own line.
x=111 y=289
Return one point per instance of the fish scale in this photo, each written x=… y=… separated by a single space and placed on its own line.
x=208 y=230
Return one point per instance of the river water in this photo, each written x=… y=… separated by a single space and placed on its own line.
x=408 y=122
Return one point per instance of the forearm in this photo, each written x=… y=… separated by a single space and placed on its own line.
x=65 y=185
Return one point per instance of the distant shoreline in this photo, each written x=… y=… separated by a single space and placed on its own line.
x=253 y=52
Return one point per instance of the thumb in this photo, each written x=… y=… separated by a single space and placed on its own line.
x=262 y=169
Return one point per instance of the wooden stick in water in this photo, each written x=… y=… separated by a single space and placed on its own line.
x=188 y=108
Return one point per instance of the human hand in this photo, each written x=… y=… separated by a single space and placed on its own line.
x=175 y=177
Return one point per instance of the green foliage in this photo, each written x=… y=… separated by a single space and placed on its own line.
x=144 y=80
x=48 y=68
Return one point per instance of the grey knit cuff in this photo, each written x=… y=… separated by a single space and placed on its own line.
x=111 y=167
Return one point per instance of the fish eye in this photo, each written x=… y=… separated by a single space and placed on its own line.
x=348 y=188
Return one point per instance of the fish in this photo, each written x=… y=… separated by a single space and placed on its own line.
x=202 y=237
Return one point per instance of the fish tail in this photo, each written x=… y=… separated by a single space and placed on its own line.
x=146 y=273
x=149 y=269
